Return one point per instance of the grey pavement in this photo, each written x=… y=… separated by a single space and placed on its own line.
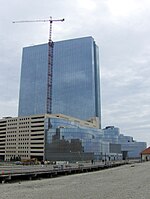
x=124 y=182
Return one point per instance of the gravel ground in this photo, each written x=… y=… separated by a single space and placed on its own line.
x=125 y=182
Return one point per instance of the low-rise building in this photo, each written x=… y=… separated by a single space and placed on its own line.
x=129 y=146
x=145 y=154
x=51 y=137
x=59 y=137
x=22 y=137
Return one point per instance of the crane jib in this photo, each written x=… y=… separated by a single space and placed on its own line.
x=40 y=20
x=50 y=61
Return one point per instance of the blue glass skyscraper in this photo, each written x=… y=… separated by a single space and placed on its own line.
x=75 y=83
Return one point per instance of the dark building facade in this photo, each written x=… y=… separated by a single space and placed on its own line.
x=68 y=140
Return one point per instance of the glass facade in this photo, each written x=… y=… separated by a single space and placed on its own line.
x=66 y=140
x=111 y=134
x=128 y=144
x=76 y=79
x=33 y=82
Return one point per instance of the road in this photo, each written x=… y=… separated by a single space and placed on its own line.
x=125 y=182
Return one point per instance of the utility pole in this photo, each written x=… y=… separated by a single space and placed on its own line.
x=50 y=60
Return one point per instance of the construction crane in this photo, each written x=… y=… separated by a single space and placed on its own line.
x=50 y=60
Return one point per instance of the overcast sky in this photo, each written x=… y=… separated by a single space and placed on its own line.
x=121 y=30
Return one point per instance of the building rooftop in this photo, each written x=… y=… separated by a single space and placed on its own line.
x=146 y=151
x=91 y=123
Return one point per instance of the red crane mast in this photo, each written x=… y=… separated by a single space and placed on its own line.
x=50 y=60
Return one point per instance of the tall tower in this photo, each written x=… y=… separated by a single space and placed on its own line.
x=76 y=79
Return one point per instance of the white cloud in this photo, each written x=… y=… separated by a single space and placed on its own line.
x=88 y=5
x=123 y=8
